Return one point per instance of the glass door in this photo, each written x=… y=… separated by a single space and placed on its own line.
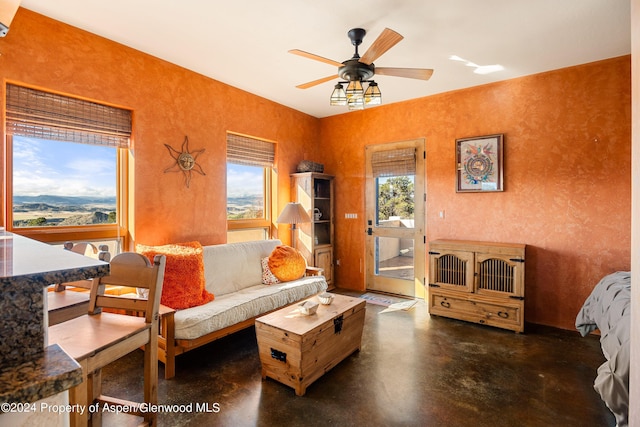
x=395 y=212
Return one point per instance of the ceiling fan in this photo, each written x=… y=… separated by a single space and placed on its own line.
x=358 y=69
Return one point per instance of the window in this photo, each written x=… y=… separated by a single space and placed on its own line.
x=65 y=167
x=249 y=167
x=394 y=173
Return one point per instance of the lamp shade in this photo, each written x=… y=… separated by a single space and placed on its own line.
x=354 y=88
x=356 y=103
x=293 y=213
x=373 y=96
x=338 y=97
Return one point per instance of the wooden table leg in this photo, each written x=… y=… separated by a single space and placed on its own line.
x=94 y=388
x=79 y=395
x=168 y=333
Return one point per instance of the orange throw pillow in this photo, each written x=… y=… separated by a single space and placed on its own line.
x=183 y=275
x=286 y=263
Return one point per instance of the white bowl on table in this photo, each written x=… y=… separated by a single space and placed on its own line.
x=325 y=298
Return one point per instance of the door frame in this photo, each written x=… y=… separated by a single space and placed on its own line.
x=385 y=284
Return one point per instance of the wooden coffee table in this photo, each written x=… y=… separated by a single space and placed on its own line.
x=296 y=349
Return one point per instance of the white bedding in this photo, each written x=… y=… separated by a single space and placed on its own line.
x=608 y=309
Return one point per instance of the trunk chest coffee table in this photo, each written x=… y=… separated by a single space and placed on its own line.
x=297 y=349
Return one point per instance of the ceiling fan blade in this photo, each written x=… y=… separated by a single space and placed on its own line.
x=412 y=73
x=385 y=41
x=316 y=82
x=316 y=57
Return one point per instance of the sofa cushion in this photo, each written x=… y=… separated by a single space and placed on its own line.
x=243 y=304
x=286 y=263
x=183 y=275
x=231 y=267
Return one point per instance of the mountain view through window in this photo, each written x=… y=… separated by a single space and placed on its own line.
x=245 y=192
x=62 y=183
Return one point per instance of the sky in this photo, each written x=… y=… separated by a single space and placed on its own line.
x=244 y=180
x=42 y=167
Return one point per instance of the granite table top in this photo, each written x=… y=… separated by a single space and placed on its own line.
x=30 y=369
x=54 y=371
x=24 y=260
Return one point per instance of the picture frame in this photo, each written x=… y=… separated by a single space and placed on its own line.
x=479 y=164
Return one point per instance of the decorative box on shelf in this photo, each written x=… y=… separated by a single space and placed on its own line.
x=309 y=166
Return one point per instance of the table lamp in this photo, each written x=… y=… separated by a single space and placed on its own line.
x=293 y=214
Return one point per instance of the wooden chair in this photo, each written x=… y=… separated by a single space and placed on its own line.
x=96 y=339
x=87 y=249
x=62 y=305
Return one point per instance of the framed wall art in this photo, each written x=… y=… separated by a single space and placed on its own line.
x=479 y=164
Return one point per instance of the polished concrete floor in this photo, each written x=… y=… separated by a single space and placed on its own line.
x=412 y=370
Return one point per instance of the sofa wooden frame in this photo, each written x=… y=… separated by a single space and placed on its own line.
x=169 y=347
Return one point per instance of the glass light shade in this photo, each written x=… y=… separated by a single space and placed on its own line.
x=354 y=89
x=356 y=103
x=373 y=96
x=338 y=97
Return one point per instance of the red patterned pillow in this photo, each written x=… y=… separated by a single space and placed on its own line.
x=184 y=283
x=267 y=276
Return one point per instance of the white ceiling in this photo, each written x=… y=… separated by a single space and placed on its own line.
x=244 y=43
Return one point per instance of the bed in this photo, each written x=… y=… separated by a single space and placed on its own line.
x=608 y=309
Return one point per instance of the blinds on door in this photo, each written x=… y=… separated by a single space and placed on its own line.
x=398 y=162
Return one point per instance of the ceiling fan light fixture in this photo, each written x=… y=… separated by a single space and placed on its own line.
x=354 y=89
x=360 y=69
x=338 y=96
x=356 y=103
x=373 y=96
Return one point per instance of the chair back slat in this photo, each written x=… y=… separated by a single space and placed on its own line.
x=138 y=305
x=133 y=270
x=139 y=275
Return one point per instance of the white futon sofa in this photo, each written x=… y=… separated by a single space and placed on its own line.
x=233 y=274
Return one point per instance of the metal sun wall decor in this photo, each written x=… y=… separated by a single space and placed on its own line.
x=186 y=161
x=479 y=164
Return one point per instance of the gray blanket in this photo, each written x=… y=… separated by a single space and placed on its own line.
x=608 y=309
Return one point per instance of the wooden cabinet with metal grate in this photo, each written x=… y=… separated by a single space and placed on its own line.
x=481 y=282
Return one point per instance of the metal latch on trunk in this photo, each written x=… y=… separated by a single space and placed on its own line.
x=278 y=355
x=337 y=324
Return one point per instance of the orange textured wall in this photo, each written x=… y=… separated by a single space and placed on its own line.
x=567 y=176
x=168 y=103
x=567 y=155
